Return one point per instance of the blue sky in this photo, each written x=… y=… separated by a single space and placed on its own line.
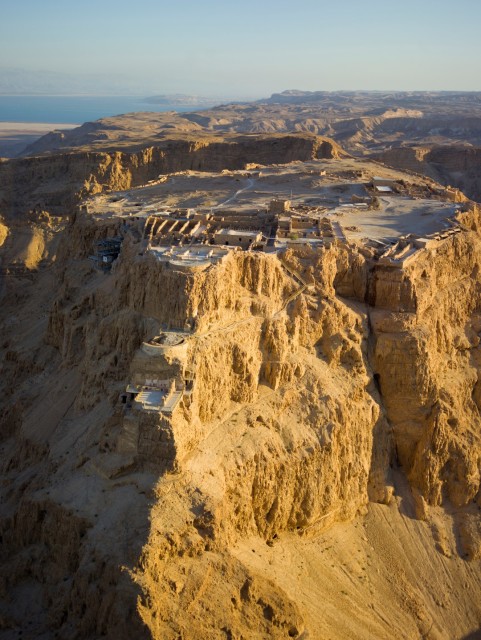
x=247 y=48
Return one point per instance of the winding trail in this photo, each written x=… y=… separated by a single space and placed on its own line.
x=250 y=184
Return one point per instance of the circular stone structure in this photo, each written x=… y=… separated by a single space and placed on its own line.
x=167 y=339
x=190 y=265
x=166 y=342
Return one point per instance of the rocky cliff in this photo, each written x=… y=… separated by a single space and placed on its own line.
x=319 y=474
x=457 y=166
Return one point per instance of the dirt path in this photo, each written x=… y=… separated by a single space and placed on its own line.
x=250 y=184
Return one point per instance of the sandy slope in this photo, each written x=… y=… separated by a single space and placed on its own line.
x=378 y=577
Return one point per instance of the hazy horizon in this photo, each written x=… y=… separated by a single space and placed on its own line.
x=64 y=88
x=244 y=51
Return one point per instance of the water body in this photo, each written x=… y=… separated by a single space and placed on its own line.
x=75 y=109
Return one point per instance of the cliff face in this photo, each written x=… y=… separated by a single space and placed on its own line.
x=426 y=357
x=304 y=405
x=56 y=182
x=453 y=165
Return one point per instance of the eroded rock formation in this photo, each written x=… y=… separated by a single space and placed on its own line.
x=311 y=399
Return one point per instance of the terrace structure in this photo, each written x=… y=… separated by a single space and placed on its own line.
x=192 y=258
x=154 y=395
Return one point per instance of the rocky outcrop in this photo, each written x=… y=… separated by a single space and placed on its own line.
x=425 y=357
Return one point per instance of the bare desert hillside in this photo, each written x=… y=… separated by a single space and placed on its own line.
x=240 y=387
x=399 y=128
x=361 y=121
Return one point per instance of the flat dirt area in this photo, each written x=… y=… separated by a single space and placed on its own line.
x=397 y=216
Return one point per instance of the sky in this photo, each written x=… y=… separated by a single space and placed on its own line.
x=242 y=48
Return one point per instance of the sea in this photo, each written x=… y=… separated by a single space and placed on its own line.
x=76 y=109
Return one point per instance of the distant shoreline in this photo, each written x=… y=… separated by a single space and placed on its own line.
x=16 y=136
x=33 y=127
x=74 y=109
x=69 y=95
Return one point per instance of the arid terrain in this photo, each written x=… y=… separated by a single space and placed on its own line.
x=15 y=136
x=363 y=122
x=240 y=385
x=437 y=134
